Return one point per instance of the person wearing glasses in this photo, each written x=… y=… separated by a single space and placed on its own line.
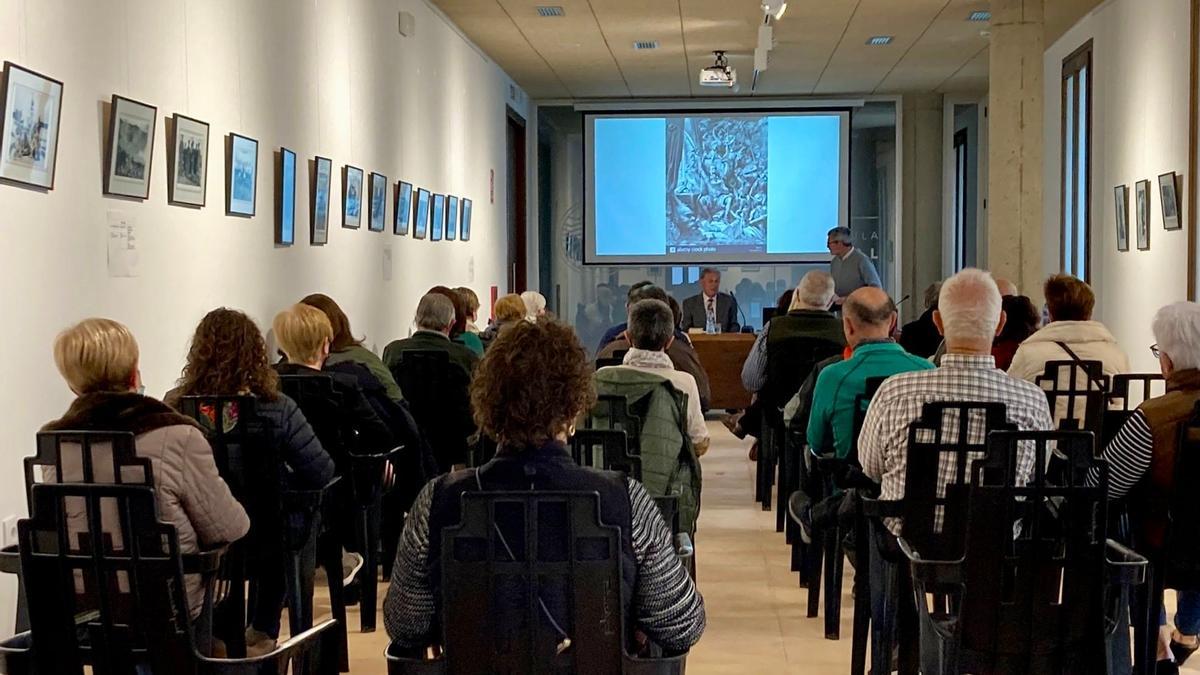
x=1143 y=452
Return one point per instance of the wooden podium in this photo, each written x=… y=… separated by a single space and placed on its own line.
x=722 y=356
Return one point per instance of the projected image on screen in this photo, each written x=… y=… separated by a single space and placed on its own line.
x=716 y=184
x=699 y=188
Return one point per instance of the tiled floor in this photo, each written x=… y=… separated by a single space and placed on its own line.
x=756 y=611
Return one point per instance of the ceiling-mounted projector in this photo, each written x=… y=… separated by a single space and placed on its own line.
x=719 y=74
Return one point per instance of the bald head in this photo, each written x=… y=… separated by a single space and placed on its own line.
x=868 y=314
x=1006 y=288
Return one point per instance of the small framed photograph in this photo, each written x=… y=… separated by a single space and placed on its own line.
x=465 y=226
x=402 y=210
x=1169 y=200
x=319 y=206
x=1121 y=201
x=352 y=187
x=187 y=157
x=130 y=148
x=285 y=210
x=421 y=215
x=451 y=218
x=437 y=218
x=1142 y=203
x=29 y=125
x=241 y=174
x=377 y=215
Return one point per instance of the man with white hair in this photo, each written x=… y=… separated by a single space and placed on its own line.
x=968 y=317
x=1146 y=447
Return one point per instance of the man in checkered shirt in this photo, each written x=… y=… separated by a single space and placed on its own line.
x=968 y=316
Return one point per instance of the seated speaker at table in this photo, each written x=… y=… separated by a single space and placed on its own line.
x=711 y=309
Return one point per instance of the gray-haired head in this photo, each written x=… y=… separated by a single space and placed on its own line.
x=435 y=312
x=969 y=307
x=1177 y=331
x=841 y=234
x=647 y=292
x=651 y=325
x=870 y=309
x=815 y=291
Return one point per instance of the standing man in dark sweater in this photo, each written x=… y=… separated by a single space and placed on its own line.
x=851 y=268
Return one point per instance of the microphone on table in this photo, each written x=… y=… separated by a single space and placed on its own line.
x=906 y=297
x=746 y=327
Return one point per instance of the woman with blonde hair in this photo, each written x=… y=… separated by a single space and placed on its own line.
x=509 y=310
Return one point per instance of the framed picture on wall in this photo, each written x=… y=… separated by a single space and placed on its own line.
x=451 y=218
x=187 y=159
x=130 y=148
x=465 y=225
x=377 y=215
x=1169 y=200
x=352 y=187
x=421 y=214
x=319 y=207
x=1121 y=202
x=1142 y=199
x=285 y=191
x=29 y=124
x=402 y=210
x=437 y=218
x=241 y=175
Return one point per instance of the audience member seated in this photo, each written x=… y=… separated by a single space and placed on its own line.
x=920 y=337
x=471 y=305
x=1070 y=335
x=1007 y=290
x=509 y=309
x=448 y=433
x=1022 y=321
x=593 y=318
x=679 y=350
x=968 y=317
x=228 y=357
x=532 y=384
x=345 y=347
x=651 y=329
x=98 y=358
x=535 y=305
x=635 y=293
x=458 y=332
x=1144 y=451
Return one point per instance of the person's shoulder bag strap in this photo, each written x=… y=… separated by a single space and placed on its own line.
x=1075 y=357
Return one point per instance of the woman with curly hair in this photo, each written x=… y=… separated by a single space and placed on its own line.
x=228 y=357
x=346 y=348
x=531 y=385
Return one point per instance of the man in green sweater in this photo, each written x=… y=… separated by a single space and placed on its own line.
x=869 y=317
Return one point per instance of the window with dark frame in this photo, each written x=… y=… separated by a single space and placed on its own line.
x=1076 y=227
x=960 y=199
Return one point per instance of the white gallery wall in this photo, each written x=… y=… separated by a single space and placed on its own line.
x=321 y=77
x=1140 y=130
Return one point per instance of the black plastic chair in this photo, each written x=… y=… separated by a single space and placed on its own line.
x=1077 y=392
x=499 y=565
x=436 y=391
x=1046 y=598
x=1128 y=391
x=769 y=453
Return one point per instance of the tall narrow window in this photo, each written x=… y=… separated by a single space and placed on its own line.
x=960 y=199
x=1076 y=227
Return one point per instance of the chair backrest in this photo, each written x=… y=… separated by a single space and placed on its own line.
x=1035 y=601
x=861 y=403
x=606 y=449
x=86 y=457
x=612 y=412
x=1077 y=392
x=433 y=397
x=323 y=408
x=789 y=361
x=111 y=595
x=522 y=571
x=941 y=445
x=1128 y=391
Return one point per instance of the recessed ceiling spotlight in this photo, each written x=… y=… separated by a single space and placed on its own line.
x=775 y=8
x=645 y=44
x=550 y=10
x=880 y=40
x=980 y=16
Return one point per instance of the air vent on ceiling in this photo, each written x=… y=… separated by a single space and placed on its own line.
x=980 y=16
x=880 y=40
x=549 y=10
x=645 y=44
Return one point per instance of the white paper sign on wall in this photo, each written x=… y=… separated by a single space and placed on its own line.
x=122 y=245
x=387 y=263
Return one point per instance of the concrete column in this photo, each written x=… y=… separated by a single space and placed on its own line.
x=1015 y=144
x=922 y=210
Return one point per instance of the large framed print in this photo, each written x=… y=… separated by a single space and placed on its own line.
x=421 y=214
x=187 y=159
x=465 y=226
x=130 y=148
x=1142 y=211
x=319 y=206
x=29 y=125
x=451 y=218
x=241 y=174
x=1121 y=201
x=402 y=210
x=352 y=188
x=285 y=210
x=377 y=215
x=437 y=218
x=1169 y=201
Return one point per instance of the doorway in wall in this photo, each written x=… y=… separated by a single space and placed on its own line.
x=965 y=201
x=515 y=192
